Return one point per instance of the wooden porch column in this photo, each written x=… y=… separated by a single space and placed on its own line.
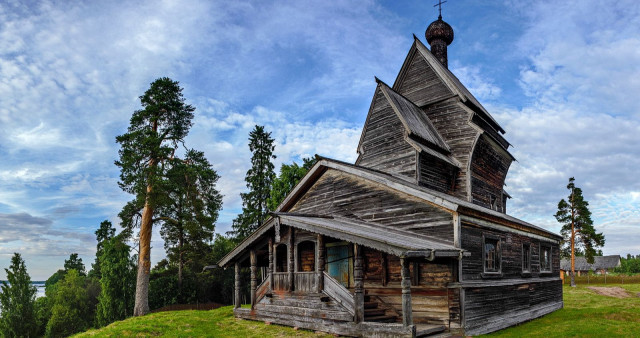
x=407 y=317
x=291 y=259
x=271 y=270
x=320 y=262
x=254 y=280
x=237 y=286
x=358 y=281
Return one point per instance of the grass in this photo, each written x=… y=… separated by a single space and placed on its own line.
x=585 y=313
x=191 y=323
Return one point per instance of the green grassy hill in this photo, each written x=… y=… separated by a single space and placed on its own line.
x=586 y=313
x=214 y=323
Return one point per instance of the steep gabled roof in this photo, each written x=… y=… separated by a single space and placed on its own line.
x=448 y=79
x=414 y=119
x=442 y=200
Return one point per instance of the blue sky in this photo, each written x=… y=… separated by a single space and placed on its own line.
x=561 y=79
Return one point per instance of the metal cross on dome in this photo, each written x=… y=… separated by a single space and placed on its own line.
x=439 y=4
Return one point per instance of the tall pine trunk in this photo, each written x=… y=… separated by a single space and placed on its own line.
x=141 y=306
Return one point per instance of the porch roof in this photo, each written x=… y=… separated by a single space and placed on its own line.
x=393 y=241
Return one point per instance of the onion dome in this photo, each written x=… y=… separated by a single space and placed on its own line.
x=439 y=35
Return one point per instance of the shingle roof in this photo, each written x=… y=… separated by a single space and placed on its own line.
x=599 y=262
x=414 y=119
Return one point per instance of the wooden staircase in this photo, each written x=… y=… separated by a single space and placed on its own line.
x=376 y=311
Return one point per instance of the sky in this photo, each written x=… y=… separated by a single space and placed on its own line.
x=561 y=78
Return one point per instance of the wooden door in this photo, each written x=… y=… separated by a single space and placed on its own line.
x=338 y=263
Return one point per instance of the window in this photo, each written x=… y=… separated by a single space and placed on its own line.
x=545 y=258
x=491 y=254
x=526 y=257
x=493 y=201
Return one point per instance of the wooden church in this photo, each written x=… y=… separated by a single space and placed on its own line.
x=413 y=239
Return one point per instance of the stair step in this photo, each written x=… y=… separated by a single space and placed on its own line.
x=427 y=331
x=370 y=305
x=373 y=312
x=382 y=319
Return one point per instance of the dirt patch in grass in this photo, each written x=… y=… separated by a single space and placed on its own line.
x=616 y=291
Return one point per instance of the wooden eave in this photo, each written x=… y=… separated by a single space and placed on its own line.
x=392 y=241
x=414 y=120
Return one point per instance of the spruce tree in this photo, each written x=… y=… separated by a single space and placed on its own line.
x=577 y=227
x=190 y=212
x=17 y=301
x=105 y=232
x=117 y=282
x=259 y=179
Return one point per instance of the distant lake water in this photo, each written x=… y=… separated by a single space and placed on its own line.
x=39 y=287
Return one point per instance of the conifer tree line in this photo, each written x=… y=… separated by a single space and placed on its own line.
x=174 y=190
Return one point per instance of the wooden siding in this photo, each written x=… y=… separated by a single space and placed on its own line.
x=489 y=167
x=419 y=82
x=511 y=255
x=451 y=119
x=341 y=194
x=488 y=309
x=383 y=145
x=436 y=174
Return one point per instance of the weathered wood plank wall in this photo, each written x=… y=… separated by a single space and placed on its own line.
x=450 y=117
x=341 y=194
x=489 y=167
x=420 y=83
x=383 y=144
x=511 y=247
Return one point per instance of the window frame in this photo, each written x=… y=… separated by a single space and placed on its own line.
x=498 y=249
x=526 y=269
x=540 y=257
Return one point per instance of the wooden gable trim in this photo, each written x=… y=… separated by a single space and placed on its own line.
x=232 y=255
x=359 y=149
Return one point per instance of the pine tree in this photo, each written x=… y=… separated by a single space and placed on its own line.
x=149 y=150
x=259 y=179
x=577 y=227
x=17 y=301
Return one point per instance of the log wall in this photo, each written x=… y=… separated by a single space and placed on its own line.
x=489 y=167
x=432 y=301
x=451 y=119
x=383 y=145
x=488 y=309
x=511 y=257
x=341 y=194
x=436 y=174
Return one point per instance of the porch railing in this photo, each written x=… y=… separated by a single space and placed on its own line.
x=281 y=281
x=305 y=281
x=339 y=293
x=262 y=290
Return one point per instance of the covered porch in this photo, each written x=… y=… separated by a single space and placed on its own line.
x=340 y=276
